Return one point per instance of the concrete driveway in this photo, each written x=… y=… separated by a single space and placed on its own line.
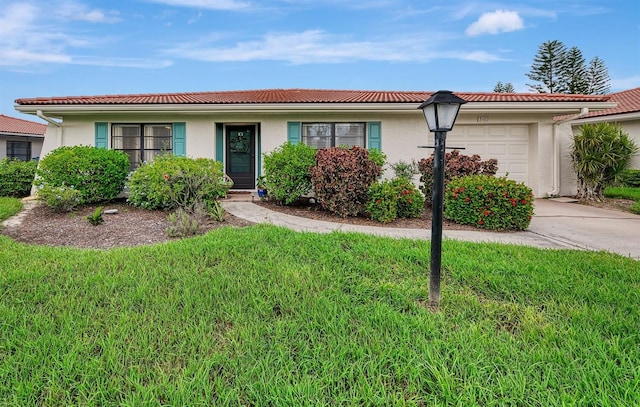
x=586 y=227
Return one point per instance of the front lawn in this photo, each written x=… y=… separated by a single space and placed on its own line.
x=625 y=193
x=266 y=316
x=9 y=207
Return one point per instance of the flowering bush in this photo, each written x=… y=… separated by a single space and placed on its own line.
x=487 y=202
x=391 y=199
x=410 y=201
x=383 y=204
x=59 y=198
x=97 y=174
x=171 y=182
x=456 y=165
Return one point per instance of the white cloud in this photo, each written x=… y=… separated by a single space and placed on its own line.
x=71 y=10
x=317 y=46
x=207 y=4
x=29 y=37
x=496 y=22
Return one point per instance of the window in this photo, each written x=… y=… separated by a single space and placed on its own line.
x=20 y=150
x=142 y=142
x=323 y=135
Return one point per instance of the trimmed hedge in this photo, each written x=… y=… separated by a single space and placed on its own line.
x=16 y=177
x=96 y=173
x=487 y=202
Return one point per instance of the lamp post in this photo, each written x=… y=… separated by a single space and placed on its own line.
x=440 y=112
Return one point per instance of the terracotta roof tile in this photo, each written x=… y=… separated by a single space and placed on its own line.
x=12 y=125
x=274 y=96
x=628 y=102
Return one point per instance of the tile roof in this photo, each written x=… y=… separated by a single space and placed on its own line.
x=275 y=96
x=628 y=102
x=12 y=125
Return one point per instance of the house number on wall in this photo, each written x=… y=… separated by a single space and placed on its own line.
x=482 y=119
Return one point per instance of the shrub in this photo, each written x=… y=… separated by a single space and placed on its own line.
x=396 y=198
x=341 y=179
x=171 y=182
x=217 y=212
x=410 y=201
x=96 y=173
x=377 y=157
x=630 y=178
x=600 y=152
x=456 y=165
x=487 y=202
x=96 y=217
x=403 y=169
x=59 y=198
x=287 y=172
x=183 y=224
x=382 y=204
x=16 y=177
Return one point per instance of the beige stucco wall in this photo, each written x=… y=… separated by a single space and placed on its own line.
x=402 y=133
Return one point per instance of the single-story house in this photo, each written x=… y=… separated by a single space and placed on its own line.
x=238 y=127
x=20 y=139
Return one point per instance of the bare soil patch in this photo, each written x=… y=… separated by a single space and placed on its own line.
x=129 y=227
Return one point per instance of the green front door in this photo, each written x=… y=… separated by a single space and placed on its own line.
x=241 y=156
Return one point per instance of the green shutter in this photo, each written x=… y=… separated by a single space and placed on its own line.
x=179 y=139
x=374 y=134
x=219 y=142
x=102 y=131
x=294 y=132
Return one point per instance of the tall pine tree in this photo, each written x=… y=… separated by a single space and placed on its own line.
x=558 y=70
x=598 y=77
x=547 y=68
x=575 y=72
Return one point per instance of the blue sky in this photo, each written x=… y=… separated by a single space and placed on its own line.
x=87 y=47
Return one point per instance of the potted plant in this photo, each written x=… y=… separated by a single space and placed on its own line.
x=261 y=186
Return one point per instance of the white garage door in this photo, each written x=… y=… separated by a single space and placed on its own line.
x=509 y=144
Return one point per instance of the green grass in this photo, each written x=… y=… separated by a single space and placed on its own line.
x=625 y=193
x=268 y=317
x=9 y=207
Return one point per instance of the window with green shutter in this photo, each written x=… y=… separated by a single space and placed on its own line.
x=101 y=135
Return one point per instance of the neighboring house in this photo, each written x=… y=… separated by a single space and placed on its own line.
x=20 y=139
x=237 y=127
x=626 y=113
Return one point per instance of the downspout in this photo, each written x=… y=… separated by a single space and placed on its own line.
x=58 y=125
x=556 y=150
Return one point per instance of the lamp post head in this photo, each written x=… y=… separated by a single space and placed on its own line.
x=441 y=110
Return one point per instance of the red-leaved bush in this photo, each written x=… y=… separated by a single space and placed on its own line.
x=341 y=179
x=455 y=165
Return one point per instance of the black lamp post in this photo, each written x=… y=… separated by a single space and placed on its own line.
x=440 y=111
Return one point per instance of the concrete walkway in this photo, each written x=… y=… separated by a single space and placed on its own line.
x=554 y=225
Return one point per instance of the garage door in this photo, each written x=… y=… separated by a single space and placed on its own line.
x=508 y=144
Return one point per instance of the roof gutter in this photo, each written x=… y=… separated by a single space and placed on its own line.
x=555 y=187
x=58 y=125
x=47 y=119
